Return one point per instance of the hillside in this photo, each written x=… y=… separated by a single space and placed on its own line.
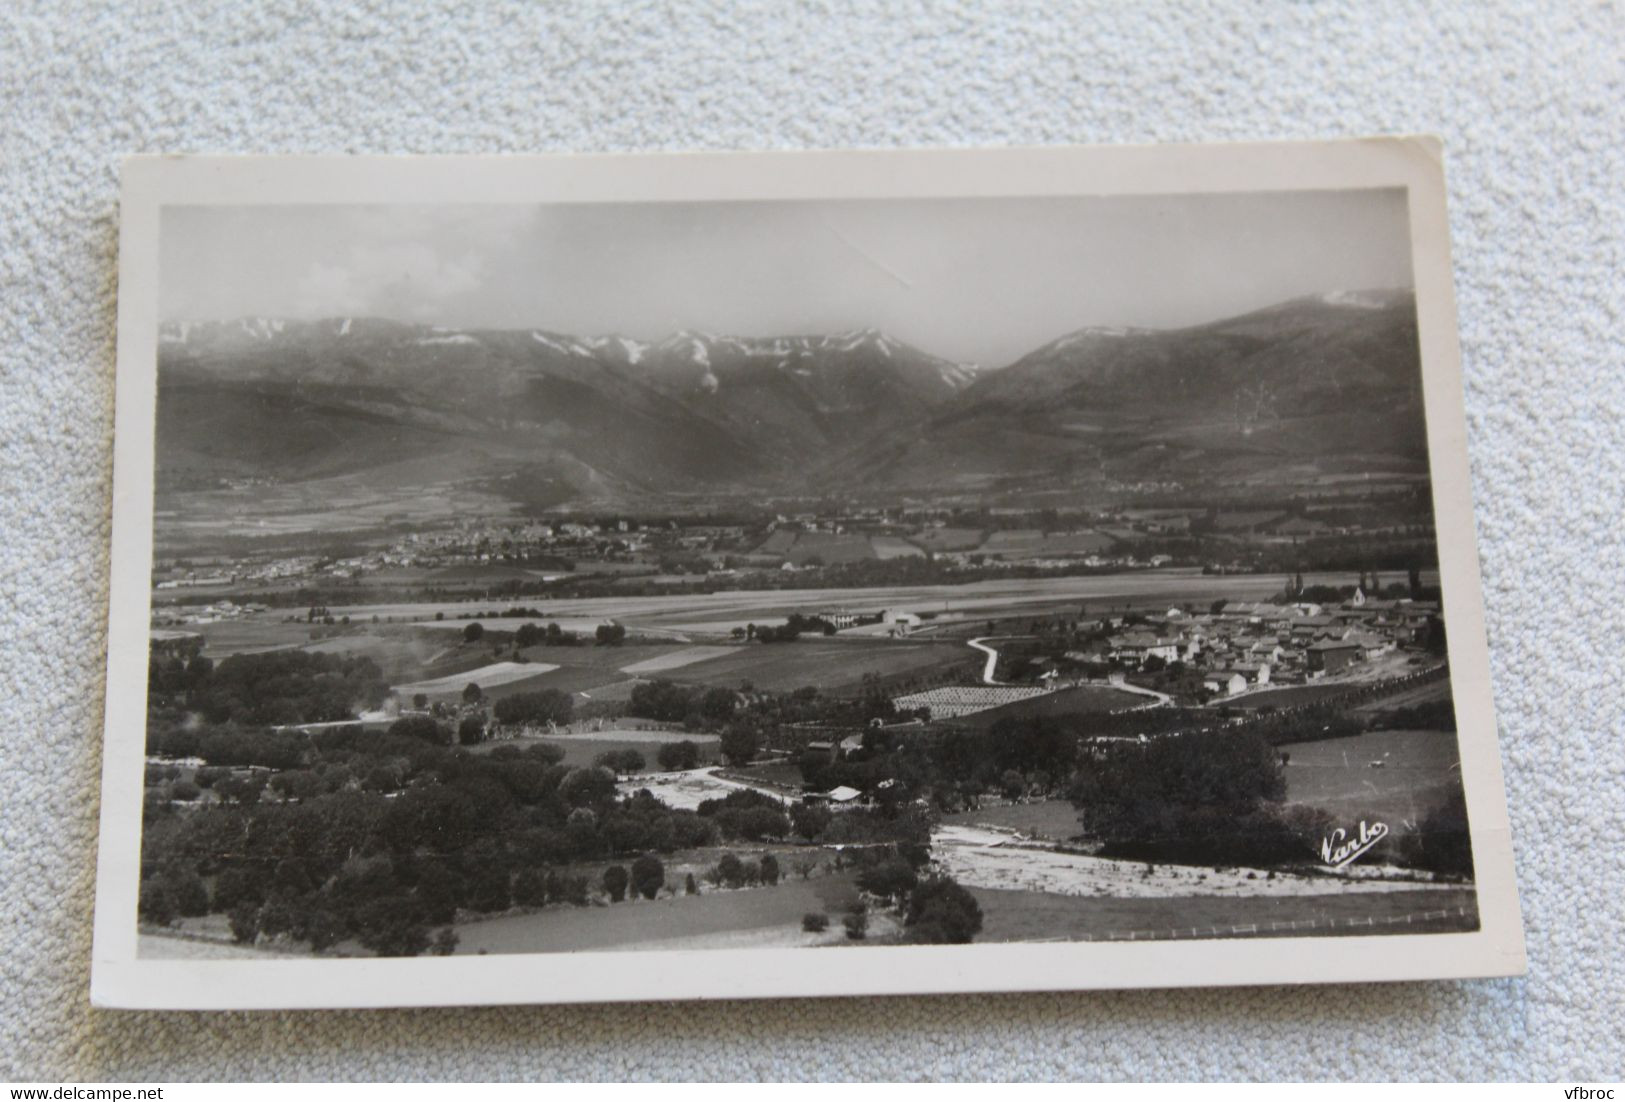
x=1317 y=385
x=1307 y=388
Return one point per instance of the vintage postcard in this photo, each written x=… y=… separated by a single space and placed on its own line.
x=550 y=579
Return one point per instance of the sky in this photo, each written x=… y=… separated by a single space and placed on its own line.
x=976 y=280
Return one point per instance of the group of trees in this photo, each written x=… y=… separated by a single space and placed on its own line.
x=675 y=756
x=623 y=761
x=534 y=709
x=275 y=687
x=380 y=837
x=935 y=908
x=692 y=705
x=789 y=631
x=1213 y=799
x=647 y=877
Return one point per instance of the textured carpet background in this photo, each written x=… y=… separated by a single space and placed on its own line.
x=1529 y=103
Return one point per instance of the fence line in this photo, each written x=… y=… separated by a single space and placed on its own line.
x=1197 y=932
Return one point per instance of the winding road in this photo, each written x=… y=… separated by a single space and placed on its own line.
x=1158 y=700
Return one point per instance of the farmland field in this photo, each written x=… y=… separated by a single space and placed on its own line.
x=1056 y=820
x=1292 y=696
x=1337 y=775
x=486 y=677
x=1025 y=915
x=590 y=656
x=1028 y=544
x=675 y=659
x=893 y=547
x=948 y=539
x=986 y=857
x=250 y=635
x=715 y=919
x=834 y=667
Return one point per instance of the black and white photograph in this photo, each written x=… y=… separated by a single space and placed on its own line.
x=835 y=569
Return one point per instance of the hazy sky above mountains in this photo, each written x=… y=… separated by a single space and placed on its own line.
x=983 y=280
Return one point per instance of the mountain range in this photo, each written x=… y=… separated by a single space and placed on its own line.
x=1310 y=387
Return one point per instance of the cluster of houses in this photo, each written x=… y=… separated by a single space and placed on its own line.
x=223 y=609
x=1244 y=646
x=894 y=621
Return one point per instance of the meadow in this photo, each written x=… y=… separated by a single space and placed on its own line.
x=713 y=919
x=1339 y=775
x=835 y=667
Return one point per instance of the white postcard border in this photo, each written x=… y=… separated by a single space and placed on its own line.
x=120 y=979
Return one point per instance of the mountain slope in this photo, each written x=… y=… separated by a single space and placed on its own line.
x=1312 y=386
x=290 y=400
x=1327 y=381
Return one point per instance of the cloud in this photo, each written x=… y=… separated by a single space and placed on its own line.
x=403 y=279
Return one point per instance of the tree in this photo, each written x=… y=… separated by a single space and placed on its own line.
x=739 y=743
x=389 y=929
x=857 y=925
x=814 y=923
x=809 y=820
x=1200 y=799
x=892 y=878
x=236 y=883
x=1443 y=843
x=689 y=886
x=770 y=869
x=157 y=902
x=490 y=891
x=615 y=881
x=730 y=871
x=583 y=787
x=718 y=704
x=530 y=888
x=472 y=693
x=421 y=727
x=474 y=632
x=291 y=879
x=674 y=756
x=471 y=731
x=445 y=942
x=245 y=923
x=661 y=700
x=438 y=892
x=535 y=708
x=528 y=635
x=420 y=701
x=942 y=911
x=627 y=760
x=610 y=635
x=321 y=928
x=648 y=876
